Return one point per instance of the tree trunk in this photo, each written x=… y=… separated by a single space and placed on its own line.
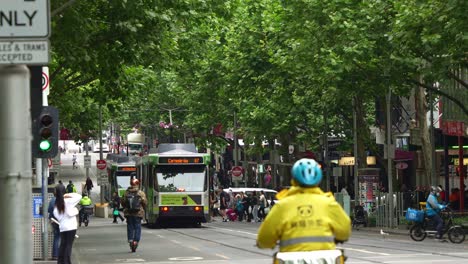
x=421 y=111
x=363 y=132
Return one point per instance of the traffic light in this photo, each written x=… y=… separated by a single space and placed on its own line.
x=45 y=133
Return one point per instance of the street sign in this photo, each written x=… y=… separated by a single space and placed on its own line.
x=237 y=171
x=30 y=52
x=24 y=19
x=102 y=178
x=87 y=161
x=453 y=128
x=101 y=164
x=45 y=80
x=401 y=165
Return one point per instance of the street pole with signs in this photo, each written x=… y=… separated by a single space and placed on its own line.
x=24 y=33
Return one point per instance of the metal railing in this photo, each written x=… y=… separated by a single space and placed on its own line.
x=401 y=202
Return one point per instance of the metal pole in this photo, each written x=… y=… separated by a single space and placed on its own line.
x=16 y=243
x=101 y=156
x=355 y=150
x=45 y=200
x=87 y=155
x=235 y=140
x=433 y=166
x=446 y=168
x=325 y=154
x=389 y=158
x=462 y=173
x=45 y=206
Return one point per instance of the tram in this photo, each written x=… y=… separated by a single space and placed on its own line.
x=175 y=180
x=120 y=169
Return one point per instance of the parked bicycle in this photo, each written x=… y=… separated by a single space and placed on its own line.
x=456 y=234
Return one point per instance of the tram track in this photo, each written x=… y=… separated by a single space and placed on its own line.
x=245 y=234
x=217 y=242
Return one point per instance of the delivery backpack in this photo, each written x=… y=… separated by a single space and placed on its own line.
x=133 y=201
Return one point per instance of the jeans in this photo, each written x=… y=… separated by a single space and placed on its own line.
x=133 y=228
x=255 y=213
x=66 y=244
x=56 y=243
x=439 y=224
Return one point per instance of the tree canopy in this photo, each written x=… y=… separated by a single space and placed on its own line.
x=277 y=66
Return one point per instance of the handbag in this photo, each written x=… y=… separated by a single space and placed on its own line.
x=116 y=211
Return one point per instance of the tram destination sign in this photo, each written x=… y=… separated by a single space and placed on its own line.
x=180 y=160
x=30 y=52
x=24 y=19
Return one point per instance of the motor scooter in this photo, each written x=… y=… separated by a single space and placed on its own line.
x=85 y=212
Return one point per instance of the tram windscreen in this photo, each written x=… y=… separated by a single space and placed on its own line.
x=186 y=178
x=123 y=179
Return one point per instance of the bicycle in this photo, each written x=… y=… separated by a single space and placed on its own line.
x=456 y=234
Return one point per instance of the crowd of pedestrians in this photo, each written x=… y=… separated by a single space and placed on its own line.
x=248 y=207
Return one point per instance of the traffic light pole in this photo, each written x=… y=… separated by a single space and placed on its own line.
x=15 y=165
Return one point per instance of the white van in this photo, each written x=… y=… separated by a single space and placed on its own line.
x=269 y=193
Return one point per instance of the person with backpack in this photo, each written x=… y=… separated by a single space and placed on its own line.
x=71 y=187
x=134 y=203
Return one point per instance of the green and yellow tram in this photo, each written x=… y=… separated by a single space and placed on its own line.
x=176 y=182
x=120 y=169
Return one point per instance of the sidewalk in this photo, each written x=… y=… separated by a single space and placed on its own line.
x=78 y=175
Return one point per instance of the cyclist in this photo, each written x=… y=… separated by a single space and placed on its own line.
x=305 y=218
x=134 y=203
x=84 y=202
x=433 y=208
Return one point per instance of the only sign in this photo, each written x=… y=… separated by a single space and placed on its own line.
x=101 y=164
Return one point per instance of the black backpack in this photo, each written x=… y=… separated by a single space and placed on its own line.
x=133 y=201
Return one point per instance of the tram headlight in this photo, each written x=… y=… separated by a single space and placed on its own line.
x=197 y=208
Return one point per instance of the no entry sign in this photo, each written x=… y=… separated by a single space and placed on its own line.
x=101 y=164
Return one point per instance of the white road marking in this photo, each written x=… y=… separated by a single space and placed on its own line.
x=237 y=231
x=365 y=251
x=222 y=256
x=176 y=242
x=129 y=260
x=186 y=258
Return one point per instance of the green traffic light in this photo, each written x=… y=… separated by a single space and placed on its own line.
x=45 y=145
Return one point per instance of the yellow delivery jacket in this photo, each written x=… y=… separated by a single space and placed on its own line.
x=304 y=219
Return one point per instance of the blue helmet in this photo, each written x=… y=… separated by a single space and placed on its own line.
x=307 y=172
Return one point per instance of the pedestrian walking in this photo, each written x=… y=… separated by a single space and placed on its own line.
x=89 y=185
x=134 y=203
x=71 y=187
x=255 y=206
x=74 y=161
x=65 y=212
x=240 y=206
x=55 y=226
x=223 y=202
x=246 y=205
x=262 y=204
x=116 y=203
